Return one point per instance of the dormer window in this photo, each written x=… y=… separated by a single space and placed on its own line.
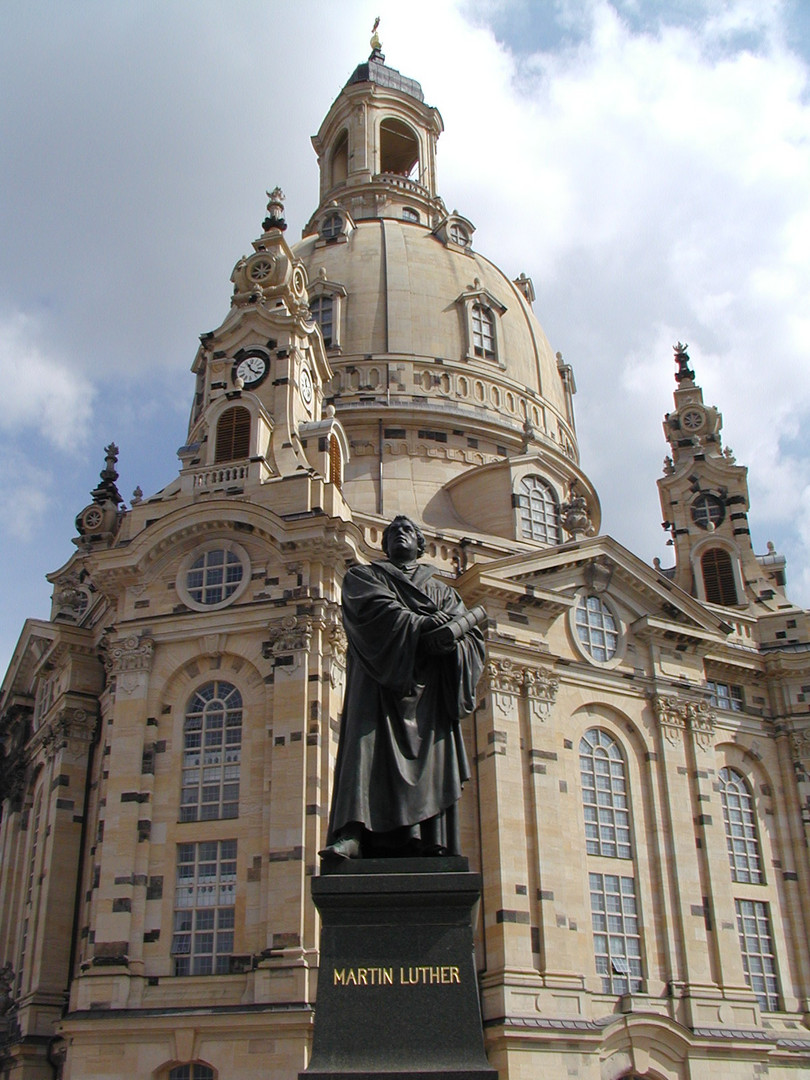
x=455 y=232
x=325 y=300
x=332 y=227
x=483 y=326
x=539 y=510
x=322 y=311
x=482 y=314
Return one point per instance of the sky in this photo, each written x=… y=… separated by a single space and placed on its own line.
x=645 y=162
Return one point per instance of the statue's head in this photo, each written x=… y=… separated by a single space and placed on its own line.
x=402 y=540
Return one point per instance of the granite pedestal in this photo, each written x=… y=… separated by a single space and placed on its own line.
x=397 y=985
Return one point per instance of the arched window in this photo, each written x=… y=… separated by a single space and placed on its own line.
x=539 y=511
x=322 y=309
x=340 y=158
x=597 y=630
x=409 y=214
x=614 y=908
x=192 y=1072
x=483 y=327
x=399 y=148
x=212 y=752
x=718 y=577
x=604 y=795
x=233 y=435
x=335 y=462
x=740 y=821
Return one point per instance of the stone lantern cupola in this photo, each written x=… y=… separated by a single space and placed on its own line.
x=377 y=147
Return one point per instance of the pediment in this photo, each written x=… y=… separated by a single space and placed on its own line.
x=548 y=583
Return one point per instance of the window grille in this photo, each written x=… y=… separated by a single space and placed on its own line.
x=483 y=326
x=204 y=907
x=596 y=628
x=759 y=961
x=539 y=511
x=322 y=308
x=616 y=935
x=740 y=821
x=604 y=796
x=212 y=753
x=214 y=576
x=724 y=696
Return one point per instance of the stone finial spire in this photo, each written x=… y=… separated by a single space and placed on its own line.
x=682 y=360
x=107 y=490
x=275 y=211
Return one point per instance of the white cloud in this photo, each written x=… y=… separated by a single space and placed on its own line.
x=40 y=391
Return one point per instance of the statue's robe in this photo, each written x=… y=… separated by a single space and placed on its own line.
x=401 y=757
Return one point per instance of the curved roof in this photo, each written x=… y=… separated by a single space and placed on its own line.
x=407 y=293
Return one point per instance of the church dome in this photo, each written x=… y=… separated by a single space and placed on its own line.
x=441 y=369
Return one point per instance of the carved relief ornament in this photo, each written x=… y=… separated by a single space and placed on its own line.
x=675 y=716
x=800 y=750
x=130 y=654
x=507 y=680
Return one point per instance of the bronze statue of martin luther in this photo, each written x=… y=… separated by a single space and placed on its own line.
x=415 y=656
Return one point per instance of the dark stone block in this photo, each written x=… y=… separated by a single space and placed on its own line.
x=397 y=985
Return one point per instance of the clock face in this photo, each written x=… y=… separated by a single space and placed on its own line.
x=692 y=420
x=305 y=384
x=251 y=369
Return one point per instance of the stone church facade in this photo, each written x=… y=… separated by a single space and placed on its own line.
x=639 y=802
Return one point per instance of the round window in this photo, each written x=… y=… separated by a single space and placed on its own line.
x=214 y=575
x=332 y=227
x=708 y=511
x=597 y=629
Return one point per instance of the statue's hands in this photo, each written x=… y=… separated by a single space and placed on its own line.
x=439 y=618
x=434 y=642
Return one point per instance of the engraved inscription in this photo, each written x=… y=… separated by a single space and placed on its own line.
x=421 y=975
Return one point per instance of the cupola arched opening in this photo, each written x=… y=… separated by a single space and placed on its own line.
x=399 y=148
x=233 y=435
x=340 y=158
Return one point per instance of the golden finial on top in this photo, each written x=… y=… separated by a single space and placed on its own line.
x=375 y=37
